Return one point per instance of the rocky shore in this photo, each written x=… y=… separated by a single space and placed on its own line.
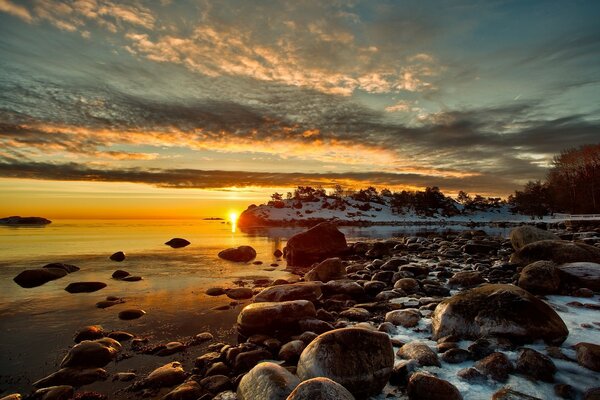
x=453 y=316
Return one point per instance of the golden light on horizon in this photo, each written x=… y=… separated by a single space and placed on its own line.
x=233 y=216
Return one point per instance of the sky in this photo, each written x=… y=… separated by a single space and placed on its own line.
x=189 y=108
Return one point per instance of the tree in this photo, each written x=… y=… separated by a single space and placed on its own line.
x=276 y=196
x=463 y=198
x=534 y=200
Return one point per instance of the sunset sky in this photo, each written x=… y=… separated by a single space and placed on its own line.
x=192 y=108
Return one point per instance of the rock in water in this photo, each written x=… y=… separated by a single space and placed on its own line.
x=63 y=392
x=536 y=365
x=361 y=360
x=310 y=291
x=238 y=254
x=588 y=355
x=328 y=270
x=72 y=377
x=67 y=267
x=267 y=381
x=423 y=386
x=85 y=287
x=523 y=235
x=130 y=314
x=270 y=317
x=540 y=277
x=177 y=243
x=419 y=352
x=170 y=374
x=18 y=220
x=581 y=274
x=320 y=389
x=316 y=244
x=31 y=278
x=91 y=332
x=118 y=256
x=498 y=310
x=559 y=251
x=91 y=354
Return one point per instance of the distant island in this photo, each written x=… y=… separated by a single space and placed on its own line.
x=17 y=220
x=213 y=219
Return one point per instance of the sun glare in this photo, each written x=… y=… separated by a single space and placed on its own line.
x=233 y=220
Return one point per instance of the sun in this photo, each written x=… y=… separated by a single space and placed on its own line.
x=233 y=216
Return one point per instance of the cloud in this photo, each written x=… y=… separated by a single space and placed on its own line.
x=16 y=10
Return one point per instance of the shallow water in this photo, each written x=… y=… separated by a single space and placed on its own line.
x=37 y=325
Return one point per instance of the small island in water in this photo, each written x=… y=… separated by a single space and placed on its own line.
x=18 y=220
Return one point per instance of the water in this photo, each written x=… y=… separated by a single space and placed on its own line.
x=37 y=325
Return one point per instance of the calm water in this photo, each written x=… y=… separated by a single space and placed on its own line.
x=37 y=325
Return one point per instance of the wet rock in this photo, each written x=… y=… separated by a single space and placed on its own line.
x=132 y=313
x=120 y=336
x=496 y=365
x=72 y=377
x=132 y=278
x=498 y=310
x=402 y=371
x=271 y=317
x=361 y=360
x=91 y=353
x=536 y=365
x=238 y=254
x=419 y=352
x=215 y=291
x=523 y=235
x=168 y=375
x=189 y=390
x=314 y=245
x=356 y=314
x=91 y=332
x=124 y=376
x=510 y=394
x=328 y=270
x=119 y=274
x=408 y=318
x=471 y=375
x=177 y=243
x=592 y=394
x=118 y=256
x=310 y=291
x=565 y=391
x=206 y=360
x=85 y=287
x=320 y=389
x=290 y=352
x=14 y=396
x=246 y=360
x=345 y=287
x=67 y=267
x=455 y=356
x=588 y=355
x=372 y=288
x=171 y=348
x=558 y=251
x=109 y=303
x=203 y=337
x=267 y=381
x=466 y=279
x=31 y=278
x=581 y=274
x=63 y=392
x=218 y=368
x=216 y=383
x=239 y=293
x=423 y=386
x=408 y=285
x=540 y=277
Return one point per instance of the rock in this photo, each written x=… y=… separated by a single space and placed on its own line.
x=120 y=274
x=272 y=317
x=239 y=293
x=314 y=325
x=314 y=245
x=407 y=318
x=14 y=396
x=328 y=270
x=536 y=365
x=18 y=220
x=471 y=375
x=408 y=285
x=592 y=394
x=510 y=394
x=109 y=303
x=345 y=287
x=171 y=348
x=278 y=253
x=132 y=279
x=91 y=353
x=496 y=365
x=523 y=235
x=419 y=352
x=248 y=359
x=558 y=251
x=63 y=392
x=581 y=274
x=290 y=352
x=424 y=386
x=131 y=313
x=215 y=291
x=588 y=355
x=203 y=337
x=72 y=377
x=239 y=254
x=31 y=278
x=216 y=383
x=267 y=381
x=67 y=267
x=372 y=288
x=320 y=389
x=540 y=277
x=91 y=332
x=189 y=390
x=565 y=391
x=118 y=256
x=177 y=243
x=170 y=374
x=120 y=336
x=361 y=360
x=455 y=356
x=310 y=291
x=356 y=314
x=498 y=310
x=85 y=287
x=466 y=279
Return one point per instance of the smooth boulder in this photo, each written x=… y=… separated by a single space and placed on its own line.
x=581 y=274
x=359 y=359
x=118 y=256
x=177 y=243
x=320 y=389
x=267 y=381
x=91 y=354
x=310 y=291
x=328 y=270
x=238 y=254
x=424 y=386
x=558 y=251
x=526 y=234
x=316 y=244
x=498 y=310
x=540 y=277
x=85 y=287
x=31 y=278
x=272 y=317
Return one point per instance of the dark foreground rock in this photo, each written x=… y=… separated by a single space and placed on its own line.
x=359 y=359
x=526 y=234
x=31 y=278
x=498 y=310
x=85 y=287
x=581 y=274
x=177 y=243
x=270 y=317
x=238 y=254
x=267 y=381
x=91 y=353
x=540 y=277
x=423 y=386
x=558 y=251
x=320 y=389
x=316 y=244
x=310 y=291
x=118 y=256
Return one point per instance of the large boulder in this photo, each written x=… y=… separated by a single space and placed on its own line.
x=559 y=251
x=273 y=317
x=328 y=270
x=91 y=354
x=419 y=352
x=498 y=310
x=36 y=277
x=316 y=244
x=540 y=277
x=267 y=381
x=424 y=386
x=320 y=389
x=310 y=291
x=581 y=274
x=361 y=360
x=238 y=254
x=588 y=355
x=523 y=235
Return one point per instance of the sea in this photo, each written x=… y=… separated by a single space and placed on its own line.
x=37 y=325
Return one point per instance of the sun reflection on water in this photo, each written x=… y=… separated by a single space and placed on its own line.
x=233 y=220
